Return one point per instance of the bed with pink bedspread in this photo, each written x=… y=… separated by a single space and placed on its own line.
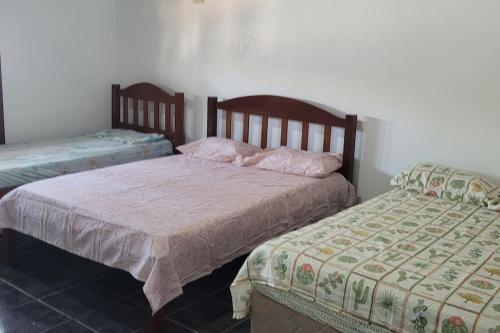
x=169 y=221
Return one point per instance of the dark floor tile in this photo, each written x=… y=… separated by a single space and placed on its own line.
x=219 y=279
x=26 y=264
x=243 y=327
x=206 y=315
x=87 y=268
x=120 y=316
x=69 y=327
x=25 y=240
x=236 y=264
x=80 y=299
x=189 y=296
x=11 y=298
x=32 y=317
x=46 y=281
x=170 y=327
x=224 y=295
x=39 y=248
x=120 y=282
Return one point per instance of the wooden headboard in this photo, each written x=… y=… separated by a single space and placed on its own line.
x=2 y=124
x=172 y=129
x=146 y=93
x=286 y=109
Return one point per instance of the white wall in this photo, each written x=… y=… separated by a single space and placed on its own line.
x=58 y=62
x=423 y=76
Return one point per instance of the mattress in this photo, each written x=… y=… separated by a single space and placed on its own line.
x=402 y=262
x=171 y=220
x=25 y=163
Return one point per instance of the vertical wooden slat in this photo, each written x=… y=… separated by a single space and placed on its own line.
x=2 y=123
x=157 y=116
x=168 y=118
x=284 y=132
x=263 y=133
x=115 y=106
x=145 y=108
x=229 y=124
x=246 y=127
x=179 y=119
x=212 y=116
x=305 y=135
x=347 y=169
x=125 y=111
x=327 y=137
x=136 y=111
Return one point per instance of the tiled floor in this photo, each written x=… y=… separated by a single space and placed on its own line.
x=54 y=291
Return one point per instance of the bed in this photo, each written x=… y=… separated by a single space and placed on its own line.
x=401 y=262
x=128 y=141
x=169 y=221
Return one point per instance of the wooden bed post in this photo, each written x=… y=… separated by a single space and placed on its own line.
x=212 y=116
x=155 y=323
x=2 y=122
x=179 y=119
x=8 y=247
x=349 y=146
x=115 y=106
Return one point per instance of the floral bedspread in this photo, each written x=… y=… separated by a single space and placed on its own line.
x=24 y=163
x=401 y=262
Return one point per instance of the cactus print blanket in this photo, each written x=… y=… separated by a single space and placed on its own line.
x=402 y=262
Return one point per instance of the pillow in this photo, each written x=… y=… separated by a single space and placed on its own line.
x=219 y=149
x=297 y=162
x=445 y=182
x=128 y=136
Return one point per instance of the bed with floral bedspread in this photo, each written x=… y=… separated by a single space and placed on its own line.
x=401 y=262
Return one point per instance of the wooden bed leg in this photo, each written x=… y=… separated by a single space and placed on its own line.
x=9 y=247
x=156 y=323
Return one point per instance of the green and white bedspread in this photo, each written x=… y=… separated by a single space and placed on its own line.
x=402 y=262
x=24 y=163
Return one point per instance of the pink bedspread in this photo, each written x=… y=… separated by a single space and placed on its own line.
x=171 y=220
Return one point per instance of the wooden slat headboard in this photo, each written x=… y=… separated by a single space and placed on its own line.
x=173 y=130
x=286 y=109
x=2 y=121
x=146 y=93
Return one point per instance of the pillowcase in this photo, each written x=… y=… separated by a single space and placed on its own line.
x=128 y=136
x=450 y=183
x=219 y=149
x=297 y=162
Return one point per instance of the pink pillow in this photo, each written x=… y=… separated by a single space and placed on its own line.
x=297 y=162
x=219 y=149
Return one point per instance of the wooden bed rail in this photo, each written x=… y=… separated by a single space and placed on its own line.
x=129 y=98
x=2 y=122
x=285 y=109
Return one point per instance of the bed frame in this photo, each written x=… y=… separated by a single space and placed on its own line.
x=122 y=99
x=144 y=92
x=2 y=127
x=286 y=109
x=267 y=107
x=269 y=316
